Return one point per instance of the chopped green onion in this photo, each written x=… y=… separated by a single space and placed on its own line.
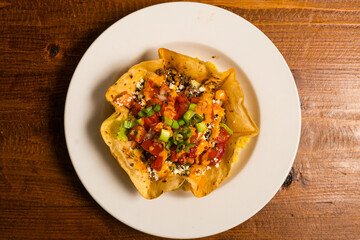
x=157 y=108
x=197 y=118
x=150 y=113
x=142 y=114
x=179 y=137
x=195 y=83
x=129 y=124
x=168 y=144
x=181 y=122
x=164 y=135
x=147 y=110
x=186 y=132
x=188 y=115
x=175 y=125
x=121 y=134
x=181 y=146
x=192 y=106
x=168 y=121
x=226 y=128
x=201 y=127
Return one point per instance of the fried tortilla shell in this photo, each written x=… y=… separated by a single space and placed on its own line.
x=237 y=117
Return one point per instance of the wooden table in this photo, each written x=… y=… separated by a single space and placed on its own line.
x=41 y=42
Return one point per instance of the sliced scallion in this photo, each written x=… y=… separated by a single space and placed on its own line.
x=142 y=114
x=181 y=122
x=129 y=124
x=179 y=137
x=201 y=126
x=164 y=135
x=181 y=146
x=168 y=121
x=197 y=118
x=150 y=113
x=157 y=108
x=192 y=106
x=188 y=115
x=168 y=144
x=186 y=132
x=121 y=134
x=175 y=125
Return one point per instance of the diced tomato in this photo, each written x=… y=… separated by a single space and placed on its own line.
x=215 y=155
x=180 y=111
x=150 y=92
x=135 y=108
x=123 y=99
x=163 y=107
x=165 y=88
x=181 y=106
x=182 y=159
x=195 y=100
x=157 y=126
x=146 y=144
x=133 y=144
x=154 y=118
x=151 y=83
x=173 y=157
x=157 y=164
x=193 y=138
x=190 y=160
x=147 y=123
x=181 y=100
x=192 y=151
x=137 y=134
x=156 y=101
x=223 y=136
x=152 y=147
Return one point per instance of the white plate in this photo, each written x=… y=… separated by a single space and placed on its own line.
x=210 y=33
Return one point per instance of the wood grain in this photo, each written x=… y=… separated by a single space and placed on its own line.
x=41 y=42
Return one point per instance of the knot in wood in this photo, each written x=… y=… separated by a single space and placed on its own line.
x=288 y=180
x=53 y=50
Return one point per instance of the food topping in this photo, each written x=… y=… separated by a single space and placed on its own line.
x=176 y=122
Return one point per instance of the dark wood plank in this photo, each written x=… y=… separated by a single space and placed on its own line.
x=41 y=42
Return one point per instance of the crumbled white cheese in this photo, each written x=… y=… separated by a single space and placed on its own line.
x=181 y=170
x=201 y=89
x=139 y=83
x=153 y=174
x=217 y=165
x=171 y=86
x=142 y=102
x=181 y=86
